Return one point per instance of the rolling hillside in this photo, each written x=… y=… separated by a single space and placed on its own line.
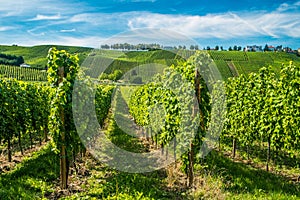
x=229 y=63
x=232 y=63
x=36 y=55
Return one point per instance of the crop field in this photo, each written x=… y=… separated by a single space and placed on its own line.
x=22 y=73
x=49 y=148
x=247 y=62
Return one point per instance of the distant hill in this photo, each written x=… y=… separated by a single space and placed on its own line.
x=36 y=56
x=229 y=63
x=233 y=63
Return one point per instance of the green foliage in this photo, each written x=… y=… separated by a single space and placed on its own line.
x=24 y=110
x=10 y=59
x=103 y=102
x=36 y=55
x=33 y=178
x=264 y=108
x=116 y=75
x=165 y=105
x=62 y=71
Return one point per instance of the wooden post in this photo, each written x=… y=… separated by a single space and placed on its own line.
x=233 y=147
x=9 y=149
x=191 y=151
x=63 y=153
x=268 y=153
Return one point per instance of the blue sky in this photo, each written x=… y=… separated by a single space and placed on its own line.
x=208 y=23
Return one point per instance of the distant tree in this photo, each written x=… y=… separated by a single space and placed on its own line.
x=239 y=48
x=179 y=47
x=105 y=46
x=221 y=48
x=184 y=47
x=217 y=48
x=208 y=48
x=235 y=48
x=196 y=47
x=279 y=48
x=192 y=47
x=266 y=48
x=230 y=49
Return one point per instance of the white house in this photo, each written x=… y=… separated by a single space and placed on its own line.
x=253 y=48
x=25 y=65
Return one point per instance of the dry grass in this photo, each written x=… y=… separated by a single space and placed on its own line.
x=207 y=187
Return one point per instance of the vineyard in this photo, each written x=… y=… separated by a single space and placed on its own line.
x=36 y=55
x=248 y=62
x=21 y=73
x=249 y=122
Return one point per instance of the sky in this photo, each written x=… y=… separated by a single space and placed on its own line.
x=204 y=22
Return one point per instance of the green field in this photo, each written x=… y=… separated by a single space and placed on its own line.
x=95 y=62
x=251 y=159
x=22 y=73
x=247 y=62
x=36 y=55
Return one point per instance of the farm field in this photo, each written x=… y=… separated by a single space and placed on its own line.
x=97 y=61
x=256 y=155
x=247 y=62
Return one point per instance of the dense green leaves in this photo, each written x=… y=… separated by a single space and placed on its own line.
x=264 y=108
x=24 y=110
x=175 y=108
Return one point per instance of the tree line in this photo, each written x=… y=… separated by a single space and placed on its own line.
x=6 y=59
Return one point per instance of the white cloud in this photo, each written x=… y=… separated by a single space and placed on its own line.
x=25 y=9
x=6 y=28
x=149 y=35
x=46 y=17
x=67 y=30
x=56 y=40
x=101 y=19
x=223 y=26
x=91 y=41
x=45 y=21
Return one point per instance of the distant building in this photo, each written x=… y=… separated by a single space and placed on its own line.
x=287 y=49
x=271 y=48
x=253 y=48
x=25 y=65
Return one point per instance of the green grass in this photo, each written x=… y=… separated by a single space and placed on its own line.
x=217 y=177
x=241 y=181
x=224 y=69
x=229 y=55
x=32 y=178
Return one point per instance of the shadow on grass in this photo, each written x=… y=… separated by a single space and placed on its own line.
x=133 y=186
x=256 y=151
x=111 y=184
x=32 y=178
x=279 y=157
x=242 y=178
